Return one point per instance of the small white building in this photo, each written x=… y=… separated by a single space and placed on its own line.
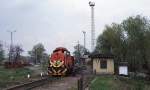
x=102 y=63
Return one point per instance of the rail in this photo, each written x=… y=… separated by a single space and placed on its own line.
x=33 y=84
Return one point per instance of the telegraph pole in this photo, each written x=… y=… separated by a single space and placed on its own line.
x=78 y=47
x=84 y=33
x=11 y=45
x=92 y=4
x=79 y=55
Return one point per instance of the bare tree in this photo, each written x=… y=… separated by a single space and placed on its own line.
x=17 y=52
x=1 y=53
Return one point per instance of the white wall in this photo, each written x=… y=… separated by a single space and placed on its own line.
x=123 y=70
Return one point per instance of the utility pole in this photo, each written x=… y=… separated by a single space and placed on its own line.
x=92 y=4
x=84 y=33
x=78 y=48
x=79 y=55
x=11 y=46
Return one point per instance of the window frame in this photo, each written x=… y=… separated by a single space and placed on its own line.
x=103 y=64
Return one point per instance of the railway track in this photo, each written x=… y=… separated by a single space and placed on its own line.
x=33 y=84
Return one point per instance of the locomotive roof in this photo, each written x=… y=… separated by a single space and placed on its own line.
x=60 y=49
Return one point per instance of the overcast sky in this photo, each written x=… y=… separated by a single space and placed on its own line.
x=57 y=23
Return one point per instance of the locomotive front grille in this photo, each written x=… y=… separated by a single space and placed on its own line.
x=57 y=70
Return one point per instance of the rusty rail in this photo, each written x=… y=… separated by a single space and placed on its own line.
x=33 y=84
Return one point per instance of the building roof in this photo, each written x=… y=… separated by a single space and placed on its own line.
x=123 y=63
x=101 y=56
x=60 y=49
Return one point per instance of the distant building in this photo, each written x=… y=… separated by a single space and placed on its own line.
x=102 y=63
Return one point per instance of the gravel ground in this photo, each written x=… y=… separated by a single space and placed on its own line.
x=64 y=84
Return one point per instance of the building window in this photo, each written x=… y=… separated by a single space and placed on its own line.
x=103 y=64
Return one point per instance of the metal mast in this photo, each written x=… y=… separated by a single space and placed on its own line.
x=92 y=4
x=11 y=46
x=84 y=33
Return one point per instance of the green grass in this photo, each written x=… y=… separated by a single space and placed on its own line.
x=8 y=76
x=112 y=83
x=73 y=88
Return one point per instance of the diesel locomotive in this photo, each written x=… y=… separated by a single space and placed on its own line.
x=60 y=62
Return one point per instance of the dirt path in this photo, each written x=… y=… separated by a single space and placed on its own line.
x=63 y=84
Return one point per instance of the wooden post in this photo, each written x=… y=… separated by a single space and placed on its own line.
x=80 y=84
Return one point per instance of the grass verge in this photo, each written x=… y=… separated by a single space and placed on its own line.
x=12 y=76
x=113 y=83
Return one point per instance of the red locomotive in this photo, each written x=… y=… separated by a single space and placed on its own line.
x=61 y=62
